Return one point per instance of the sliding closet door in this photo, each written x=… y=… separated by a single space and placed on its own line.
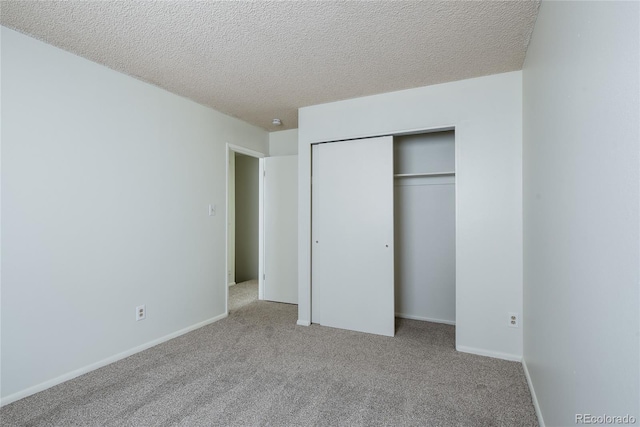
x=353 y=235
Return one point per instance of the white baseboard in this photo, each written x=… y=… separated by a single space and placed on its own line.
x=303 y=323
x=104 y=362
x=424 y=319
x=231 y=284
x=533 y=394
x=489 y=353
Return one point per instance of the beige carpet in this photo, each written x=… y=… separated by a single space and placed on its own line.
x=257 y=368
x=242 y=294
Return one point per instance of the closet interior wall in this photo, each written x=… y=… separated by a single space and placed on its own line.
x=424 y=216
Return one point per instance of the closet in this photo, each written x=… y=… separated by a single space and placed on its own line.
x=424 y=226
x=383 y=231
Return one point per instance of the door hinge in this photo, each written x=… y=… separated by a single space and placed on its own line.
x=264 y=277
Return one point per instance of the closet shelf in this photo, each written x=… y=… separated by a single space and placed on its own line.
x=411 y=175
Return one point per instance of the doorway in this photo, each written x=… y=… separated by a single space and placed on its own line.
x=244 y=217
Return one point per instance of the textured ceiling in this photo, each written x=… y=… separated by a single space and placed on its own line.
x=260 y=60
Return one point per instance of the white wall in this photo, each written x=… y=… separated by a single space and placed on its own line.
x=246 y=211
x=283 y=143
x=487 y=115
x=581 y=210
x=105 y=186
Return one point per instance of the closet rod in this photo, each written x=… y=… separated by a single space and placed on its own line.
x=409 y=175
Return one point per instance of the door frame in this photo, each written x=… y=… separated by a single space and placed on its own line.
x=231 y=150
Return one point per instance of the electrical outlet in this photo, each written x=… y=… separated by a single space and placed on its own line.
x=141 y=312
x=514 y=320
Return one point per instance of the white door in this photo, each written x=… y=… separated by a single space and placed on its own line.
x=280 y=280
x=352 y=243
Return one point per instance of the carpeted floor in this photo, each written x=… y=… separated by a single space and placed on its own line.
x=242 y=294
x=257 y=367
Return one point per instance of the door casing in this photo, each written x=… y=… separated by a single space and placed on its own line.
x=231 y=149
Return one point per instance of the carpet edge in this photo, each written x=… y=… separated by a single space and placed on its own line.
x=489 y=353
x=534 y=398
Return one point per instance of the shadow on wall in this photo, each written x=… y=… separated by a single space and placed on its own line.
x=247 y=194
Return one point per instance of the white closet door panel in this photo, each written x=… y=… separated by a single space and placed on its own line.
x=425 y=251
x=353 y=245
x=281 y=229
